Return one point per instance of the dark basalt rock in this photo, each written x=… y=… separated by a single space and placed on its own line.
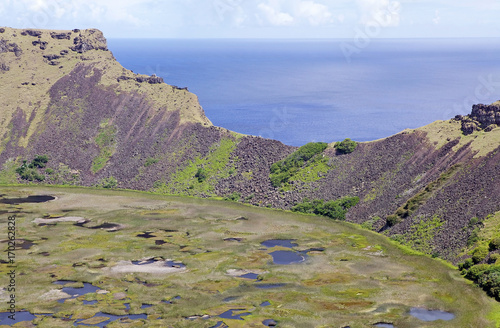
x=31 y=33
x=2 y=30
x=10 y=47
x=123 y=78
x=54 y=63
x=4 y=68
x=61 y=36
x=151 y=79
x=482 y=117
x=64 y=52
x=91 y=40
x=41 y=44
x=51 y=57
x=179 y=88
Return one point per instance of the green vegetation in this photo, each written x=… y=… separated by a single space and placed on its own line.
x=150 y=161
x=483 y=266
x=494 y=244
x=234 y=197
x=64 y=175
x=335 y=209
x=282 y=171
x=421 y=234
x=346 y=146
x=199 y=176
x=421 y=197
x=8 y=174
x=31 y=172
x=108 y=183
x=369 y=223
x=486 y=276
x=106 y=141
x=357 y=272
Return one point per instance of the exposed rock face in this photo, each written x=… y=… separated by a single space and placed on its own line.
x=486 y=114
x=61 y=36
x=483 y=117
x=32 y=33
x=93 y=39
x=149 y=79
x=10 y=47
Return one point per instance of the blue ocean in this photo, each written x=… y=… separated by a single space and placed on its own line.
x=298 y=91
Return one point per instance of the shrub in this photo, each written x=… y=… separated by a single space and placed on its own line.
x=479 y=254
x=29 y=172
x=150 y=161
x=283 y=170
x=40 y=161
x=201 y=175
x=475 y=272
x=473 y=221
x=235 y=196
x=494 y=244
x=467 y=264
x=335 y=209
x=108 y=183
x=474 y=237
x=346 y=146
x=392 y=220
x=494 y=258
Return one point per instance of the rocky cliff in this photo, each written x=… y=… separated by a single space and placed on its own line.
x=483 y=117
x=64 y=95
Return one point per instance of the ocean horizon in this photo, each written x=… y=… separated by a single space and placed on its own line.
x=303 y=90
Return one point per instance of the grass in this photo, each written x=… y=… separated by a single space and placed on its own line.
x=106 y=141
x=421 y=234
x=358 y=272
x=441 y=132
x=422 y=196
x=8 y=173
x=201 y=174
x=304 y=164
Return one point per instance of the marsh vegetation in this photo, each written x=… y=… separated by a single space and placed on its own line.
x=203 y=266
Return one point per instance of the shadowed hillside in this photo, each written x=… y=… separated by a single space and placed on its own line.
x=64 y=95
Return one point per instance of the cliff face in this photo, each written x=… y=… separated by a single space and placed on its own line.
x=64 y=95
x=483 y=117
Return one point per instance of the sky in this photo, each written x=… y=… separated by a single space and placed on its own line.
x=355 y=19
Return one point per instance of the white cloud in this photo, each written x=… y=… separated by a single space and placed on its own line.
x=274 y=16
x=383 y=12
x=437 y=18
x=315 y=13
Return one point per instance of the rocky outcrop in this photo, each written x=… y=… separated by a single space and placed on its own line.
x=10 y=47
x=91 y=40
x=60 y=36
x=153 y=79
x=483 y=117
x=32 y=33
x=51 y=57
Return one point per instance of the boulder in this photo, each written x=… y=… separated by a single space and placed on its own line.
x=31 y=33
x=60 y=36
